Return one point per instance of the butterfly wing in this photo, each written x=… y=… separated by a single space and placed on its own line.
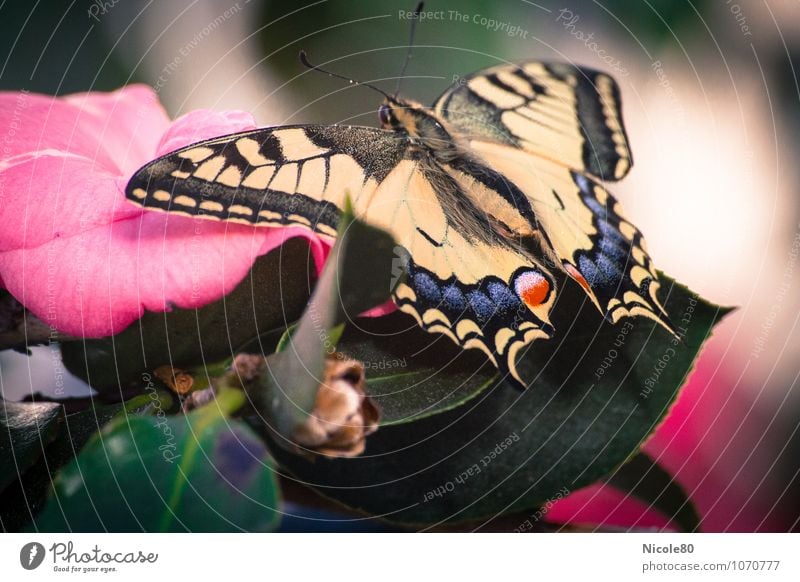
x=584 y=229
x=462 y=279
x=292 y=175
x=561 y=112
x=552 y=131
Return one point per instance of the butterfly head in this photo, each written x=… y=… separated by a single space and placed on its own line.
x=398 y=114
x=415 y=120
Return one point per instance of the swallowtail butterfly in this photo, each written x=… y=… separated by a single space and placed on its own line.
x=492 y=192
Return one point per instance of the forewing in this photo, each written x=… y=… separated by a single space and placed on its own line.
x=568 y=114
x=292 y=175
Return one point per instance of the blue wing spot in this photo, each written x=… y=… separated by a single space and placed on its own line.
x=595 y=205
x=611 y=272
x=613 y=249
x=481 y=305
x=454 y=299
x=582 y=182
x=427 y=288
x=502 y=297
x=589 y=270
x=610 y=231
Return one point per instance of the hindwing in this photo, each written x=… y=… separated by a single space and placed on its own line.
x=585 y=232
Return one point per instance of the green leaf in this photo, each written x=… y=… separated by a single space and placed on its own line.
x=25 y=430
x=273 y=294
x=199 y=472
x=412 y=374
x=508 y=450
x=642 y=478
x=356 y=277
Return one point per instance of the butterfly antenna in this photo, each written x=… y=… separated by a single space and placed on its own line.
x=307 y=63
x=414 y=20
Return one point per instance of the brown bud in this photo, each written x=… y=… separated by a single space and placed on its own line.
x=343 y=414
x=179 y=381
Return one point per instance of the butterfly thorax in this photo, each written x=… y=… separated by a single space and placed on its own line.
x=423 y=127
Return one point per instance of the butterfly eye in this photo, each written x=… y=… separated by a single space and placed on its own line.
x=385 y=115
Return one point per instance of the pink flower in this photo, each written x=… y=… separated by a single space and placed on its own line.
x=73 y=250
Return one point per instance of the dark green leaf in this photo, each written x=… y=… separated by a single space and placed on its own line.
x=642 y=478
x=273 y=294
x=25 y=430
x=507 y=450
x=199 y=472
x=659 y=21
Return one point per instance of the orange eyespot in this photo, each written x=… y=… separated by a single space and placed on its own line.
x=532 y=288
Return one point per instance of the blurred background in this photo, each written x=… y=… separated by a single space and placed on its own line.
x=710 y=99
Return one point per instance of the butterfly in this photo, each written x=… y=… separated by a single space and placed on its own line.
x=494 y=193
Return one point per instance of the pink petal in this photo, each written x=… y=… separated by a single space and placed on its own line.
x=74 y=251
x=51 y=196
x=599 y=504
x=700 y=443
x=127 y=124
x=97 y=283
x=203 y=124
x=39 y=122
x=381 y=310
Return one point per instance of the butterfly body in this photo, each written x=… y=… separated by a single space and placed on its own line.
x=493 y=193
